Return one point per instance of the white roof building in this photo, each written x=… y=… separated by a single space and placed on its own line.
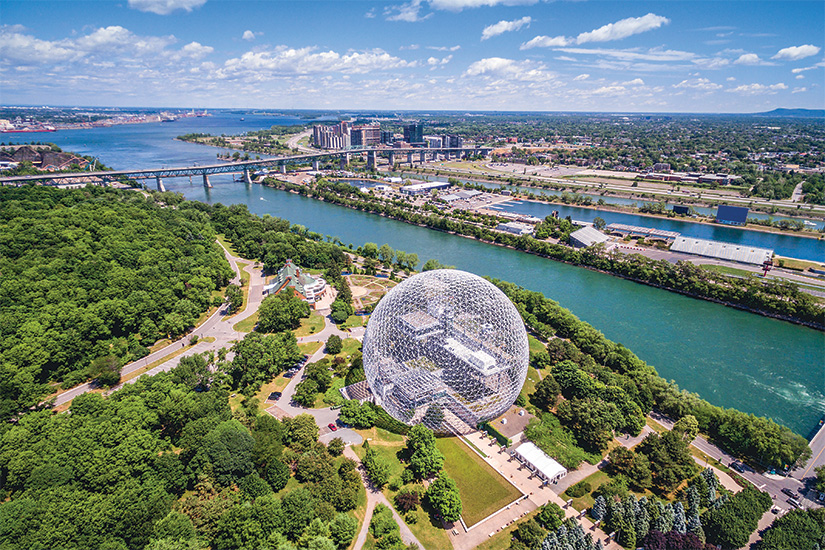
x=587 y=236
x=535 y=459
x=725 y=251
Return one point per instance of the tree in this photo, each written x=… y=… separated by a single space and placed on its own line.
x=408 y=498
x=342 y=530
x=546 y=394
x=425 y=458
x=687 y=427
x=234 y=298
x=551 y=516
x=280 y=312
x=277 y=474
x=334 y=345
x=599 y=223
x=340 y=311
x=820 y=479
x=228 y=448
x=412 y=261
x=336 y=446
x=370 y=250
x=431 y=265
x=377 y=468
x=358 y=415
x=599 y=508
x=386 y=254
x=260 y=357
x=731 y=524
x=105 y=370
x=443 y=496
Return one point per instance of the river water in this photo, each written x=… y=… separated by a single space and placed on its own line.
x=729 y=357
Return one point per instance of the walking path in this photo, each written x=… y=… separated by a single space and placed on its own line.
x=375 y=496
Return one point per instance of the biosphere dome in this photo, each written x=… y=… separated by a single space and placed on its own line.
x=449 y=341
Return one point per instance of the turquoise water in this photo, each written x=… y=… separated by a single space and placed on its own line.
x=729 y=357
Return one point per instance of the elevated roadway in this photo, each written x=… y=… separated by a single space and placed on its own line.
x=245 y=167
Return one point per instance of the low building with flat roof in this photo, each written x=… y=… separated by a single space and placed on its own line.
x=516 y=228
x=587 y=236
x=724 y=251
x=424 y=187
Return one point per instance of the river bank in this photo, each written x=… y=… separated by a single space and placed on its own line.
x=714 y=286
x=595 y=189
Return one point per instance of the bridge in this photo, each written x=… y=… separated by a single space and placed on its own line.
x=245 y=167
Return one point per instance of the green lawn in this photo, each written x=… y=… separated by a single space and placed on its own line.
x=535 y=344
x=248 y=324
x=314 y=323
x=353 y=321
x=530 y=382
x=595 y=480
x=227 y=245
x=482 y=489
x=310 y=347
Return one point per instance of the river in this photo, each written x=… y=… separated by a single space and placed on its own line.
x=729 y=357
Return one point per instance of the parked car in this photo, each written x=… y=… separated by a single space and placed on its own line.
x=737 y=466
x=332 y=427
x=795 y=503
x=790 y=493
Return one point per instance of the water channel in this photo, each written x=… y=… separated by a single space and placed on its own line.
x=729 y=357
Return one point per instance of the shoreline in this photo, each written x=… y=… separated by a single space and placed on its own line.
x=587 y=190
x=815 y=326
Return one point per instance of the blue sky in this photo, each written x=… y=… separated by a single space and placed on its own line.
x=666 y=56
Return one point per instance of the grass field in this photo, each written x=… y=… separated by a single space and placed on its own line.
x=248 y=324
x=310 y=347
x=595 y=480
x=314 y=323
x=530 y=382
x=482 y=489
x=227 y=245
x=349 y=346
x=535 y=344
x=501 y=540
x=353 y=321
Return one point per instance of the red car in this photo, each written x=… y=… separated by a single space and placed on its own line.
x=332 y=427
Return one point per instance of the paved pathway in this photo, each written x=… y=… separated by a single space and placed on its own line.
x=375 y=496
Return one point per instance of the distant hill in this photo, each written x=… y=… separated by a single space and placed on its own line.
x=794 y=113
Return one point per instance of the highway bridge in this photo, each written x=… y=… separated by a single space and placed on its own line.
x=409 y=155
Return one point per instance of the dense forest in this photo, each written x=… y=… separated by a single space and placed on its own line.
x=164 y=464
x=95 y=273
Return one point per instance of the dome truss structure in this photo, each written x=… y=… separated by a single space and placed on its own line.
x=445 y=340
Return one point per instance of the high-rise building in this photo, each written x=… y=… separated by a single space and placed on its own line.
x=365 y=135
x=414 y=134
x=387 y=137
x=453 y=141
x=331 y=137
x=434 y=142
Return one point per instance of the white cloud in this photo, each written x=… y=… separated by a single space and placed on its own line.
x=800 y=77
x=634 y=82
x=444 y=48
x=283 y=61
x=609 y=91
x=755 y=89
x=794 y=53
x=583 y=76
x=623 y=29
x=435 y=62
x=545 y=42
x=370 y=14
x=500 y=67
x=799 y=90
x=409 y=12
x=196 y=50
x=458 y=5
x=635 y=54
x=505 y=26
x=248 y=35
x=748 y=59
x=698 y=84
x=812 y=67
x=731 y=79
x=165 y=7
x=606 y=33
x=16 y=47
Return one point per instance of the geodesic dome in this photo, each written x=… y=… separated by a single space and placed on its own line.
x=445 y=340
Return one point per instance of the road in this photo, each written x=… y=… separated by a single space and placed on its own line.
x=292 y=142
x=772 y=484
x=217 y=326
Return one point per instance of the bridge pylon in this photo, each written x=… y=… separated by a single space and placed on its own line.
x=246 y=178
x=206 y=182
x=159 y=182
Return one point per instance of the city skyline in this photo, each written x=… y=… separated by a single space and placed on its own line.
x=510 y=55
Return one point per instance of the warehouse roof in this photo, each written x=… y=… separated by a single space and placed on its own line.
x=587 y=236
x=725 y=251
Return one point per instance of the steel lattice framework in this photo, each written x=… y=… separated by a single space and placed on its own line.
x=446 y=338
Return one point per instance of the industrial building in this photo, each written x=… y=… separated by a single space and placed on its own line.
x=587 y=236
x=539 y=463
x=646 y=232
x=424 y=187
x=516 y=228
x=724 y=251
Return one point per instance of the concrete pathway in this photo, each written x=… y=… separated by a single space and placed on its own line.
x=375 y=496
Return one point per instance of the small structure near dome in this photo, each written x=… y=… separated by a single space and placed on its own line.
x=306 y=286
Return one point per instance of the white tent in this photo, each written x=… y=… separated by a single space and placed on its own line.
x=544 y=466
